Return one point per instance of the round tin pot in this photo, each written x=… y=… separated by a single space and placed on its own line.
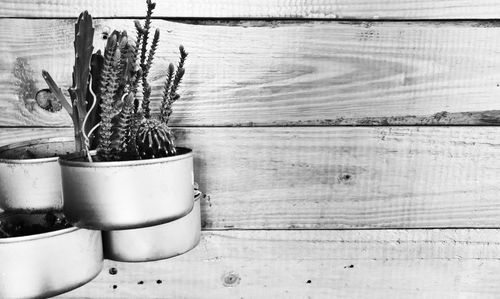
x=127 y=194
x=30 y=177
x=155 y=242
x=47 y=264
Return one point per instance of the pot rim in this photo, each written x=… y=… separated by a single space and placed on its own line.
x=68 y=160
x=28 y=143
x=35 y=237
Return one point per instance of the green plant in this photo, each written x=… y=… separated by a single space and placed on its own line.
x=111 y=94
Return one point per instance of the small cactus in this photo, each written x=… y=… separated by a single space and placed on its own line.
x=154 y=140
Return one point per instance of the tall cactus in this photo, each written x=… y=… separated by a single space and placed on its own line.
x=109 y=86
x=84 y=36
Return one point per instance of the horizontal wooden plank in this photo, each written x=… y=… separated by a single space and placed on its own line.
x=319 y=9
x=336 y=177
x=315 y=264
x=283 y=73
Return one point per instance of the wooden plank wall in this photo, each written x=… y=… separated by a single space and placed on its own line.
x=306 y=117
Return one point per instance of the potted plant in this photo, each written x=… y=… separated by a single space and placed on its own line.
x=42 y=255
x=126 y=171
x=30 y=177
x=155 y=242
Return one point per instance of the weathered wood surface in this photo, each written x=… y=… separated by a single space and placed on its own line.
x=285 y=73
x=315 y=264
x=320 y=9
x=337 y=177
x=8 y=135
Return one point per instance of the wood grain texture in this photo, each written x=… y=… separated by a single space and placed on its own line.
x=336 y=177
x=319 y=9
x=286 y=73
x=315 y=264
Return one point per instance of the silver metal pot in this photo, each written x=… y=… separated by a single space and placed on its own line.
x=30 y=177
x=48 y=264
x=127 y=194
x=155 y=242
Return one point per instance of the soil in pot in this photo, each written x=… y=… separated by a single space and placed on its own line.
x=37 y=149
x=19 y=225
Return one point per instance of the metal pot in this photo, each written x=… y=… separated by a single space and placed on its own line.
x=155 y=242
x=30 y=178
x=48 y=264
x=127 y=194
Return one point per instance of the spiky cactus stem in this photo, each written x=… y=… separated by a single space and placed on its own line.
x=165 y=109
x=180 y=71
x=134 y=128
x=145 y=99
x=123 y=126
x=109 y=85
x=170 y=94
x=145 y=65
x=138 y=77
x=152 y=51
x=145 y=35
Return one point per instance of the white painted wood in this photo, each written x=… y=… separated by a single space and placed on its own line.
x=301 y=73
x=320 y=9
x=340 y=177
x=337 y=264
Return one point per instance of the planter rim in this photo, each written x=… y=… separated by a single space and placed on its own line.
x=28 y=143
x=68 y=160
x=39 y=236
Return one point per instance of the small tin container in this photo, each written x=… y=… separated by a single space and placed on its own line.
x=155 y=242
x=127 y=194
x=30 y=177
x=48 y=264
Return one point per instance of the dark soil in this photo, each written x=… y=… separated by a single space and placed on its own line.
x=19 y=225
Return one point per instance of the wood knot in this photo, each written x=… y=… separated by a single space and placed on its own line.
x=46 y=100
x=231 y=279
x=345 y=178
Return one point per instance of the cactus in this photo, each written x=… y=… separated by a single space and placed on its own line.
x=109 y=87
x=84 y=36
x=121 y=128
x=170 y=94
x=108 y=110
x=154 y=140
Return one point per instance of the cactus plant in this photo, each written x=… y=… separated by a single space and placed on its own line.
x=111 y=94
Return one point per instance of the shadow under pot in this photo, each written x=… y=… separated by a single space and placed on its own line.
x=40 y=259
x=155 y=242
x=30 y=177
x=127 y=194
